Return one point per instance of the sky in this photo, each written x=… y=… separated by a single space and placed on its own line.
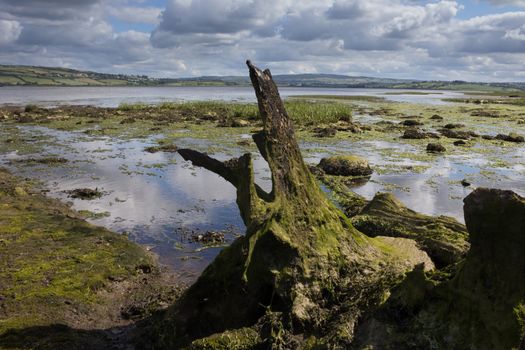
x=474 y=40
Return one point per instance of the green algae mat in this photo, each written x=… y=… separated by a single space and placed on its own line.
x=63 y=282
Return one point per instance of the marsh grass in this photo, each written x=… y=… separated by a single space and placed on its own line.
x=302 y=112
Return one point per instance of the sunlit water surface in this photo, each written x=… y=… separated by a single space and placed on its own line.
x=161 y=201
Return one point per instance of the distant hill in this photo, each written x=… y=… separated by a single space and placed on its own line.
x=45 y=76
x=26 y=75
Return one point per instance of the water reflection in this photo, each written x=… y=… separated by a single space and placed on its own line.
x=160 y=200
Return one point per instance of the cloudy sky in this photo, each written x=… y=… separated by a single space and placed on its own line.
x=479 y=40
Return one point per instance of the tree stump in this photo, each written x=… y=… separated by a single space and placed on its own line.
x=300 y=256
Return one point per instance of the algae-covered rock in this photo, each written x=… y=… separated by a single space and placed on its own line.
x=481 y=306
x=488 y=292
x=418 y=134
x=512 y=137
x=347 y=165
x=436 y=148
x=443 y=238
x=458 y=134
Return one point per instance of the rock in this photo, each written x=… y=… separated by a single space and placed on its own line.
x=243 y=142
x=410 y=122
x=458 y=134
x=435 y=148
x=479 y=305
x=325 y=132
x=482 y=113
x=209 y=116
x=512 y=137
x=130 y=120
x=487 y=293
x=443 y=238
x=453 y=126
x=85 y=193
x=240 y=123
x=465 y=183
x=459 y=143
x=233 y=123
x=417 y=134
x=209 y=238
x=169 y=148
x=436 y=117
x=355 y=128
x=348 y=165
x=488 y=137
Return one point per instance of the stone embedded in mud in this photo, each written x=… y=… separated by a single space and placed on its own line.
x=458 y=134
x=465 y=183
x=233 y=123
x=85 y=193
x=512 y=137
x=418 y=134
x=483 y=113
x=170 y=148
x=209 y=238
x=240 y=123
x=435 y=148
x=348 y=165
x=411 y=122
x=325 y=132
x=454 y=126
x=459 y=143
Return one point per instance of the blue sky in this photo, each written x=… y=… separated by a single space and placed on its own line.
x=477 y=40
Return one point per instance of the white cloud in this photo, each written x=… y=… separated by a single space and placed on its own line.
x=9 y=31
x=390 y=38
x=148 y=15
x=507 y=2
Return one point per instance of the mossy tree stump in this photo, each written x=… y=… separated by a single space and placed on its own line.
x=300 y=255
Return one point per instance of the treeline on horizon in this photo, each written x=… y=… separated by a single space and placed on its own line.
x=50 y=76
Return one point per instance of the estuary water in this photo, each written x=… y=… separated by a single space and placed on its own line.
x=113 y=96
x=163 y=202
